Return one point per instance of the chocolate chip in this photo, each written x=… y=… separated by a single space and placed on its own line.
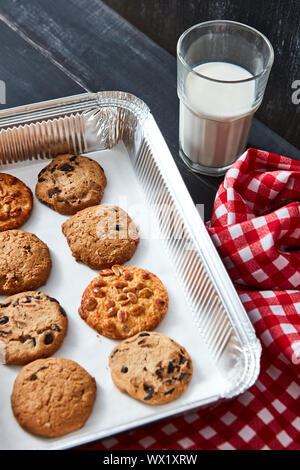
x=3 y=320
x=40 y=180
x=56 y=328
x=169 y=391
x=183 y=376
x=37 y=297
x=33 y=377
x=66 y=168
x=73 y=158
x=141 y=342
x=27 y=300
x=144 y=334
x=53 y=169
x=62 y=311
x=171 y=367
x=159 y=373
x=41 y=172
x=167 y=382
x=114 y=353
x=44 y=202
x=118 y=228
x=150 y=392
x=124 y=369
x=182 y=359
x=5 y=305
x=48 y=338
x=51 y=192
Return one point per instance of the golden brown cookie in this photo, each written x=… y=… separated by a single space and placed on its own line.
x=16 y=202
x=70 y=183
x=52 y=397
x=25 y=262
x=32 y=325
x=123 y=301
x=101 y=236
x=151 y=367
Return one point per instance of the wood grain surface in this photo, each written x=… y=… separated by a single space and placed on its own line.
x=59 y=48
x=165 y=20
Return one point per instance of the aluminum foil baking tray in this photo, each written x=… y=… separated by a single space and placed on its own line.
x=205 y=313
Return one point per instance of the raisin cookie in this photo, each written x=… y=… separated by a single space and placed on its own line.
x=25 y=262
x=123 y=301
x=101 y=236
x=71 y=183
x=52 y=397
x=151 y=367
x=32 y=325
x=16 y=202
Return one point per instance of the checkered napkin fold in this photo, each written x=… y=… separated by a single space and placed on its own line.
x=255 y=226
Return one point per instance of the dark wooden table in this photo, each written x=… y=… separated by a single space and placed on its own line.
x=59 y=48
x=51 y=49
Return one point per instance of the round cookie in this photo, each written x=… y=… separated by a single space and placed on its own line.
x=151 y=367
x=16 y=202
x=101 y=236
x=123 y=301
x=52 y=397
x=32 y=325
x=25 y=262
x=70 y=183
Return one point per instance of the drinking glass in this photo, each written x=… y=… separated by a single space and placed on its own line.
x=222 y=72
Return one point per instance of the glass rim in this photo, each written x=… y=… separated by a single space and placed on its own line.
x=244 y=26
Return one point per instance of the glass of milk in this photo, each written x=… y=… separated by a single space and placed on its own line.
x=222 y=72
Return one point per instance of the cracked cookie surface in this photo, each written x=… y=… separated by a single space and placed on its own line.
x=16 y=202
x=101 y=236
x=123 y=301
x=25 y=262
x=52 y=397
x=32 y=326
x=151 y=367
x=70 y=183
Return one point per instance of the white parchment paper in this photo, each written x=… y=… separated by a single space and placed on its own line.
x=113 y=411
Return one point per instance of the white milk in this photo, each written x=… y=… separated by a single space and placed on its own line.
x=215 y=121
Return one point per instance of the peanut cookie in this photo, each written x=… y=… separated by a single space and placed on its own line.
x=151 y=367
x=101 y=236
x=71 y=183
x=16 y=202
x=52 y=397
x=25 y=262
x=123 y=301
x=32 y=325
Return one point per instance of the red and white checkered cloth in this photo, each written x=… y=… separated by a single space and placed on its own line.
x=255 y=226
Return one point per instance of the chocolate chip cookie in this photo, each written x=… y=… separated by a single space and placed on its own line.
x=70 y=183
x=151 y=367
x=123 y=301
x=25 y=262
x=52 y=397
x=101 y=236
x=32 y=325
x=16 y=202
